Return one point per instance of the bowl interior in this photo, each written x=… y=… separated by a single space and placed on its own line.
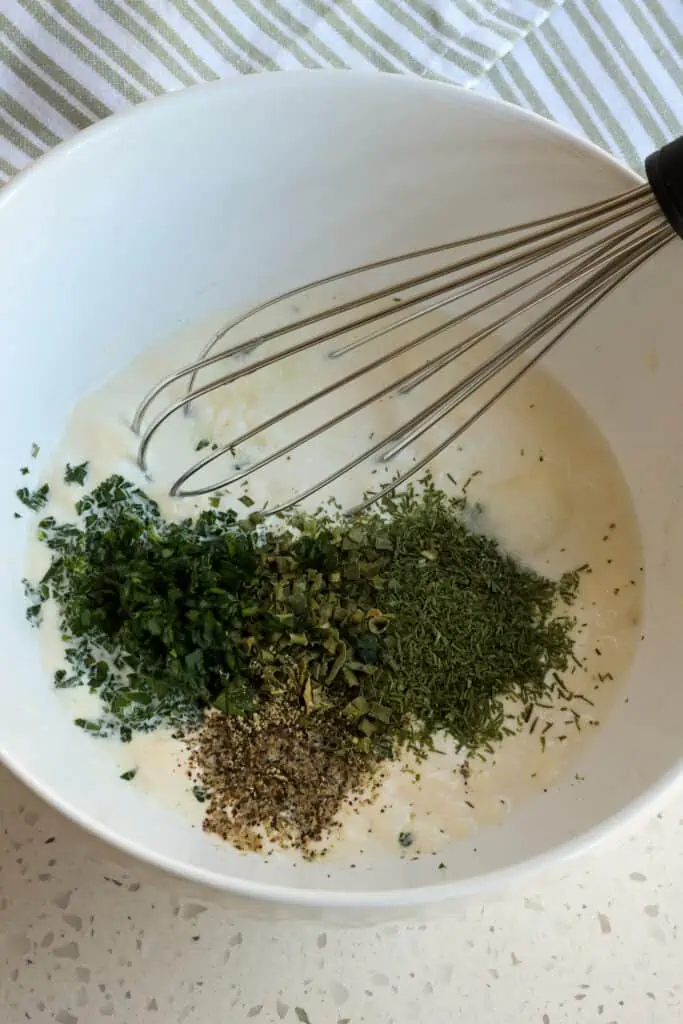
x=207 y=200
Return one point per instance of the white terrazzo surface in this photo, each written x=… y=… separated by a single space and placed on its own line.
x=80 y=942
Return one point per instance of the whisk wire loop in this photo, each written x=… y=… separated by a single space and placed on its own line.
x=593 y=254
x=566 y=262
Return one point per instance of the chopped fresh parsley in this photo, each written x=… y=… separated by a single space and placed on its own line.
x=35 y=500
x=76 y=474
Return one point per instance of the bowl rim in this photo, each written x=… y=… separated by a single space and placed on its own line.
x=640 y=807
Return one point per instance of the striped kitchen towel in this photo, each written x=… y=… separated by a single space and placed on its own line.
x=610 y=69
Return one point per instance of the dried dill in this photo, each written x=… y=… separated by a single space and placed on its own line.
x=469 y=626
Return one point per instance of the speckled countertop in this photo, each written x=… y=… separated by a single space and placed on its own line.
x=81 y=942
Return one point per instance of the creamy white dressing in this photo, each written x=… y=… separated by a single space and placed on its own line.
x=549 y=489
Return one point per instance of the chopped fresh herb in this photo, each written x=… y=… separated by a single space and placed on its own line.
x=76 y=474
x=204 y=443
x=403 y=622
x=314 y=648
x=34 y=611
x=89 y=726
x=24 y=470
x=129 y=775
x=35 y=500
x=406 y=839
x=199 y=793
x=35 y=449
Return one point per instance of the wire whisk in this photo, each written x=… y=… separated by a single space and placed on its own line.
x=565 y=264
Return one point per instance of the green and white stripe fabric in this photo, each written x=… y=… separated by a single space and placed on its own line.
x=611 y=69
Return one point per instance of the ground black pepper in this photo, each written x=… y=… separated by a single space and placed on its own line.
x=276 y=775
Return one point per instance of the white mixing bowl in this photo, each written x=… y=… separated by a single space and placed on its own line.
x=211 y=198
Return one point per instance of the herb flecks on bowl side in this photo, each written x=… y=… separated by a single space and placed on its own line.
x=34 y=500
x=76 y=474
x=299 y=653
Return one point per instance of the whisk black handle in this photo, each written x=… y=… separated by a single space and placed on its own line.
x=664 y=170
